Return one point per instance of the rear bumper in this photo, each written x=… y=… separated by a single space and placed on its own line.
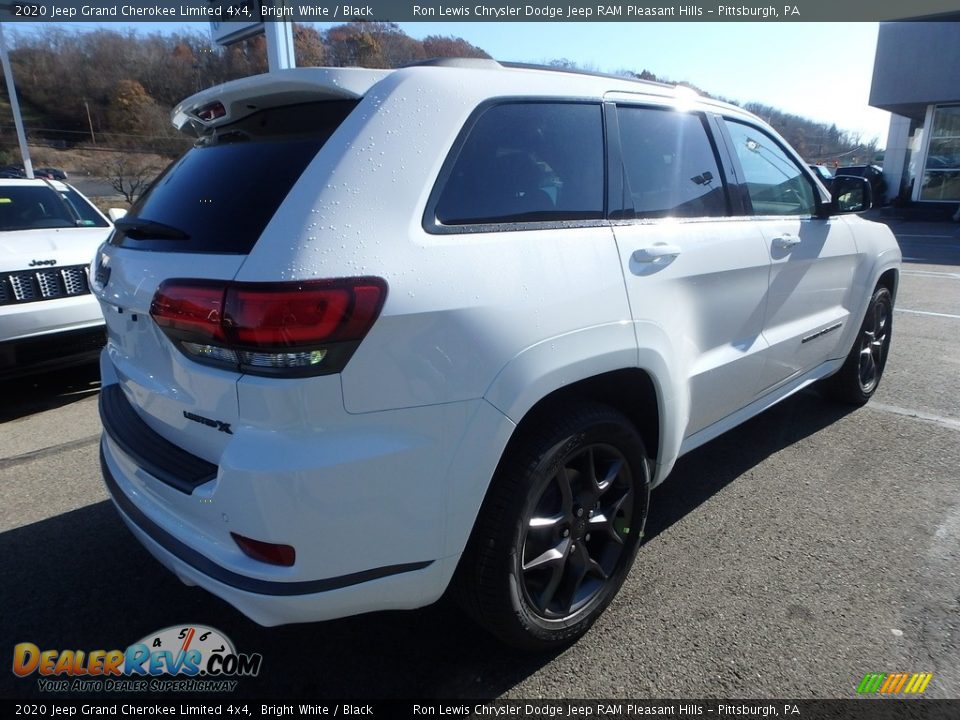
x=369 y=513
x=276 y=603
x=224 y=576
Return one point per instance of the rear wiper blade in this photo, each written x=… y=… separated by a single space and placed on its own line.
x=140 y=227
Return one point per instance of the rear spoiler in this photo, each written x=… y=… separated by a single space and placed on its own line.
x=232 y=101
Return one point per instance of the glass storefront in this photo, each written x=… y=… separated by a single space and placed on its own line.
x=941 y=174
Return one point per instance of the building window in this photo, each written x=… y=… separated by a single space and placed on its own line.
x=941 y=176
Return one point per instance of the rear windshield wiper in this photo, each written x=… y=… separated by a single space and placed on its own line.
x=140 y=227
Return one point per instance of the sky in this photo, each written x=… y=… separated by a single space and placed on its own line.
x=821 y=71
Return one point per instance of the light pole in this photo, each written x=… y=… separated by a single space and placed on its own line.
x=14 y=102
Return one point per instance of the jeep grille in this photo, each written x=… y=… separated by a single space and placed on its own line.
x=32 y=285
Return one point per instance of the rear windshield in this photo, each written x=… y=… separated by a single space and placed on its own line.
x=37 y=207
x=219 y=195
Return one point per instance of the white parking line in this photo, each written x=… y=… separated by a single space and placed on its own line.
x=932 y=273
x=939 y=237
x=924 y=312
x=946 y=422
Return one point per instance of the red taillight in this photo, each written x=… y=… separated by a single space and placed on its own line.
x=193 y=312
x=271 y=318
x=298 y=328
x=272 y=553
x=212 y=111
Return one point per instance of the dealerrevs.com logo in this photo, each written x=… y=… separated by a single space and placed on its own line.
x=181 y=658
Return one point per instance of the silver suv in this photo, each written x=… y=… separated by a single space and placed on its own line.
x=49 y=233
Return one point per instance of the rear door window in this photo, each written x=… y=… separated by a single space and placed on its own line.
x=670 y=167
x=527 y=162
x=219 y=196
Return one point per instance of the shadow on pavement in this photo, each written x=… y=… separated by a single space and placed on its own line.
x=36 y=393
x=79 y=580
x=700 y=474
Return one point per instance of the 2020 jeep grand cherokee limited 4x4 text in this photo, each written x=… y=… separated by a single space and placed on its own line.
x=384 y=332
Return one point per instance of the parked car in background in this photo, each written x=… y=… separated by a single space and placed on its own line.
x=314 y=410
x=49 y=234
x=873 y=174
x=47 y=173
x=51 y=173
x=12 y=171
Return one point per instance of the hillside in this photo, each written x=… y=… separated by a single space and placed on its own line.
x=107 y=90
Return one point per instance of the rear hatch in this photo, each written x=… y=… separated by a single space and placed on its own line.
x=197 y=223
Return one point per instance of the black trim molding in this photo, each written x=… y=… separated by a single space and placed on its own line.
x=820 y=333
x=168 y=463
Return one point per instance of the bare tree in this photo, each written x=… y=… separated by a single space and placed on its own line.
x=129 y=175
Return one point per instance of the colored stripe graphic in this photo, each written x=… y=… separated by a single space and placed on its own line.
x=870 y=683
x=889 y=683
x=898 y=686
x=894 y=683
x=926 y=681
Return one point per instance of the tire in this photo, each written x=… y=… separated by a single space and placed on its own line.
x=559 y=528
x=858 y=378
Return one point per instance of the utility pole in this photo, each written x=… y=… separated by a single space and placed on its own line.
x=15 y=106
x=90 y=122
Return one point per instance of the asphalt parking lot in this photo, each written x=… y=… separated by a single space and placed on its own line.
x=788 y=558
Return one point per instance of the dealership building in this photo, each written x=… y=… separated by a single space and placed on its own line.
x=916 y=76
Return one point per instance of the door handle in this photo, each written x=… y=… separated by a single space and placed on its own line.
x=655 y=253
x=785 y=242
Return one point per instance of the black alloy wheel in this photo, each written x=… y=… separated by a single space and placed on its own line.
x=858 y=378
x=874 y=343
x=575 y=531
x=559 y=528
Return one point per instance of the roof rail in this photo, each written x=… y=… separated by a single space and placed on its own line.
x=589 y=73
x=490 y=64
x=456 y=62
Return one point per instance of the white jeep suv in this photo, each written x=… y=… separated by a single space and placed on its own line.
x=384 y=332
x=49 y=233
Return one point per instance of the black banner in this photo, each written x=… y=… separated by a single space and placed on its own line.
x=618 y=709
x=240 y=11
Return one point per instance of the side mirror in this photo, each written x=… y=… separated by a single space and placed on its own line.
x=116 y=213
x=849 y=194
